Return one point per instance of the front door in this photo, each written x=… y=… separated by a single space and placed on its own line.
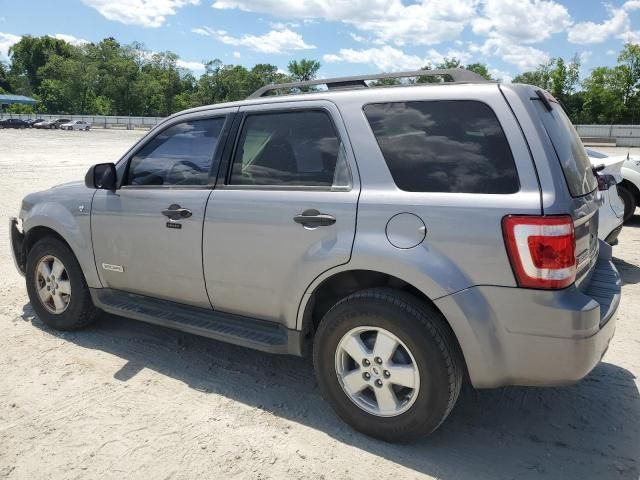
x=147 y=235
x=285 y=211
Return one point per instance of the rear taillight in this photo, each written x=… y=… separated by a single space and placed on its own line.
x=541 y=250
x=605 y=181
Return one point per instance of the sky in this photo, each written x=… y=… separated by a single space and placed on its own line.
x=347 y=36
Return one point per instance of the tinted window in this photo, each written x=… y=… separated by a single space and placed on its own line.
x=444 y=146
x=573 y=158
x=290 y=148
x=179 y=155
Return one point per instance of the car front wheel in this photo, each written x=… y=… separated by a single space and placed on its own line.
x=388 y=364
x=56 y=286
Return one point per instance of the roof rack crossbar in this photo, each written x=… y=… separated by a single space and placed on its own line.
x=460 y=75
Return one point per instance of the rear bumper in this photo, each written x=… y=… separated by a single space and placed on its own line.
x=16 y=239
x=515 y=336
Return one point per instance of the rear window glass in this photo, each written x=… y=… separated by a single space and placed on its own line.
x=444 y=146
x=569 y=149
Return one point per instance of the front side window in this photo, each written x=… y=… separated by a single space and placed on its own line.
x=444 y=146
x=180 y=155
x=289 y=149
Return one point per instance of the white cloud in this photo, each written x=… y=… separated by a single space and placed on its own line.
x=521 y=21
x=193 y=66
x=70 y=39
x=524 y=57
x=389 y=59
x=357 y=38
x=389 y=21
x=6 y=41
x=275 y=41
x=618 y=25
x=585 y=33
x=501 y=75
x=386 y=58
x=236 y=54
x=148 y=13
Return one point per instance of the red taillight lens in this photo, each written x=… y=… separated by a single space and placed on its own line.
x=541 y=250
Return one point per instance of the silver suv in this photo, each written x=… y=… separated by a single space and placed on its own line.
x=405 y=237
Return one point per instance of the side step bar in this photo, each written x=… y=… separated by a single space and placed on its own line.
x=244 y=331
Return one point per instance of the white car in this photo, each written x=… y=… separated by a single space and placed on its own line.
x=629 y=186
x=75 y=125
x=612 y=209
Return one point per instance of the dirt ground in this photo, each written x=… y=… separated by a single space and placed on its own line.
x=128 y=400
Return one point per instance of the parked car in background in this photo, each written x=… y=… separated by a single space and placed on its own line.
x=33 y=121
x=13 y=123
x=406 y=238
x=612 y=209
x=53 y=124
x=629 y=184
x=75 y=125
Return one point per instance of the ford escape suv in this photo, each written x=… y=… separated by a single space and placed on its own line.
x=405 y=237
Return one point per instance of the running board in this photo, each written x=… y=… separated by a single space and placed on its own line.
x=244 y=331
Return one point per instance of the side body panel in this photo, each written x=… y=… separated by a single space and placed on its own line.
x=463 y=245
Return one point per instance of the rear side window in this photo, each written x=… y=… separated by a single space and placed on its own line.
x=569 y=149
x=289 y=149
x=444 y=146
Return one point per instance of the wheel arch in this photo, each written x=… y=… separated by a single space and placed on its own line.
x=74 y=231
x=330 y=290
x=633 y=188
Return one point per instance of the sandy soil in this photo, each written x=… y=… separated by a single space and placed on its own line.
x=128 y=400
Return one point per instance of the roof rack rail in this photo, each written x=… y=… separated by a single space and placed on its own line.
x=459 y=75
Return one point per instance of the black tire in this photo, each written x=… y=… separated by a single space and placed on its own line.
x=425 y=333
x=629 y=202
x=80 y=311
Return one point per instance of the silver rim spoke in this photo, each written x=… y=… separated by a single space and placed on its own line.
x=57 y=302
x=52 y=284
x=355 y=348
x=386 y=398
x=64 y=286
x=57 y=268
x=354 y=382
x=377 y=371
x=385 y=346
x=404 y=375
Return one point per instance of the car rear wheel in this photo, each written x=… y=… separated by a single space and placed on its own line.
x=629 y=202
x=388 y=364
x=56 y=286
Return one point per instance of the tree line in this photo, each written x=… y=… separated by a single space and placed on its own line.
x=108 y=78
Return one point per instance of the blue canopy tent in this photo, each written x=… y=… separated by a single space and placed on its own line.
x=6 y=100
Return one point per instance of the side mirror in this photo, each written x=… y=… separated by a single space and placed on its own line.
x=102 y=176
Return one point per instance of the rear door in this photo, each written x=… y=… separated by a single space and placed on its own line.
x=284 y=211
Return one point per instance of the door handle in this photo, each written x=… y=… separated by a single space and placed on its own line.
x=176 y=212
x=313 y=218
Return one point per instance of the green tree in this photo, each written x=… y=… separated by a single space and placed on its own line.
x=303 y=70
x=32 y=53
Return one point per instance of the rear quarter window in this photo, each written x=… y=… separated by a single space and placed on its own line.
x=455 y=146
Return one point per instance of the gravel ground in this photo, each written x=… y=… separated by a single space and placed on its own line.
x=124 y=399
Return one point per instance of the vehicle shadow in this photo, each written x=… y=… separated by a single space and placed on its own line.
x=629 y=273
x=589 y=430
x=633 y=221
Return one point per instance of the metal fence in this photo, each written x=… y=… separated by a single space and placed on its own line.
x=620 y=135
x=97 y=121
